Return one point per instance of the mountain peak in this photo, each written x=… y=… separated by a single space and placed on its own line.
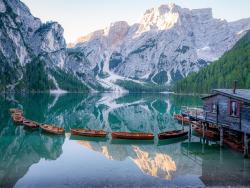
x=115 y=32
x=168 y=15
x=116 y=27
x=160 y=18
x=163 y=9
x=170 y=7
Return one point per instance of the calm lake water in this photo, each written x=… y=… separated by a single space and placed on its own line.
x=34 y=159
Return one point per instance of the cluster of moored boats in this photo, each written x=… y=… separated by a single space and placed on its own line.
x=211 y=132
x=18 y=118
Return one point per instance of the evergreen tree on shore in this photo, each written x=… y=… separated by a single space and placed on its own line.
x=233 y=65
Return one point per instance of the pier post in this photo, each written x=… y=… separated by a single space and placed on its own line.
x=221 y=155
x=203 y=145
x=221 y=136
x=196 y=114
x=203 y=130
x=245 y=146
x=182 y=122
x=190 y=132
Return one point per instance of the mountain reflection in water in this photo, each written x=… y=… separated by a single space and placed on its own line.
x=152 y=160
x=26 y=156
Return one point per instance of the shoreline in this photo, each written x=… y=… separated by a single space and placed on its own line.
x=96 y=92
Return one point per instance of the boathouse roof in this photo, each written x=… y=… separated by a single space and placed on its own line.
x=240 y=94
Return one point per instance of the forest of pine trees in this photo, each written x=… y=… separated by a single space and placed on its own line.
x=36 y=79
x=233 y=65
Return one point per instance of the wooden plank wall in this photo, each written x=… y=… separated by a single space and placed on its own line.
x=245 y=121
x=224 y=117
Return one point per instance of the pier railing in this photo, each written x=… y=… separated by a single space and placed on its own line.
x=194 y=112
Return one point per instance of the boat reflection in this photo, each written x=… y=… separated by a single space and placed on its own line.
x=131 y=142
x=171 y=141
x=85 y=138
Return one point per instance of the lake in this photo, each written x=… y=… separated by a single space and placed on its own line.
x=35 y=159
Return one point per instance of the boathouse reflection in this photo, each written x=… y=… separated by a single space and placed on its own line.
x=220 y=167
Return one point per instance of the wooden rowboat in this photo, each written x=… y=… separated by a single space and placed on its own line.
x=133 y=136
x=207 y=133
x=15 y=110
x=213 y=127
x=30 y=124
x=196 y=123
x=52 y=129
x=181 y=119
x=17 y=119
x=233 y=145
x=172 y=134
x=89 y=133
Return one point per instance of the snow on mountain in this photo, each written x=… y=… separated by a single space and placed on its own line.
x=166 y=45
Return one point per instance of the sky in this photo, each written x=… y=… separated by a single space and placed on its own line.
x=80 y=17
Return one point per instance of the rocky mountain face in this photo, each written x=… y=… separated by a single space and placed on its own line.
x=32 y=54
x=236 y=66
x=166 y=45
x=169 y=43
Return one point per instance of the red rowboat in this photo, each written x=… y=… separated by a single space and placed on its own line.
x=89 y=133
x=30 y=124
x=172 y=134
x=196 y=123
x=233 y=145
x=213 y=127
x=181 y=118
x=207 y=133
x=52 y=129
x=133 y=136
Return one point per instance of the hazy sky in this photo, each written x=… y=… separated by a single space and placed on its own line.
x=79 y=17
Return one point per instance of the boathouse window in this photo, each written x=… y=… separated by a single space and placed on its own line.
x=214 y=108
x=234 y=108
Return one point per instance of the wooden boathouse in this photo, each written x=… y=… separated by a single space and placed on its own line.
x=229 y=108
x=228 y=112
